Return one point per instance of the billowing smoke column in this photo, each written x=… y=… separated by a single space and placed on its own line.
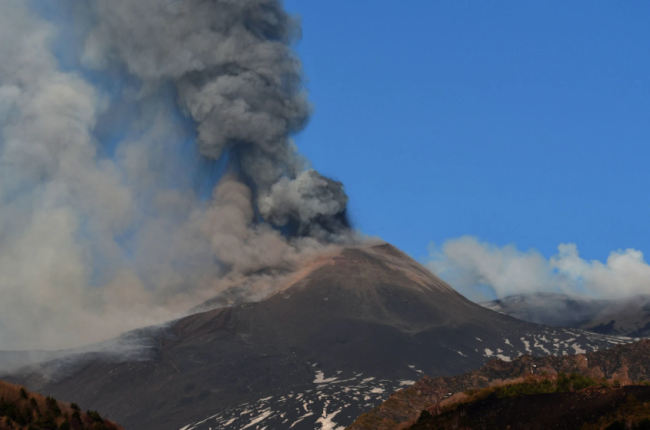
x=146 y=163
x=235 y=74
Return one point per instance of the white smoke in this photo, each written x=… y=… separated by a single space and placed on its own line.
x=99 y=237
x=307 y=198
x=471 y=266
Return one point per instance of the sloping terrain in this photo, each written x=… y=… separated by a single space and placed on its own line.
x=624 y=363
x=20 y=409
x=12 y=360
x=623 y=317
x=351 y=328
x=595 y=407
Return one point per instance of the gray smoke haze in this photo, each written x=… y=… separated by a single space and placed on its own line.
x=554 y=309
x=103 y=227
x=235 y=74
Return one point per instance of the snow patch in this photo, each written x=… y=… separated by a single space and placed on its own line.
x=577 y=349
x=267 y=413
x=326 y=421
x=302 y=418
x=417 y=370
x=320 y=379
x=540 y=346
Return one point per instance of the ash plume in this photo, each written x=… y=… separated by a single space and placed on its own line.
x=146 y=163
x=235 y=74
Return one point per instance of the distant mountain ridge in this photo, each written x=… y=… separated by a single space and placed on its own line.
x=350 y=328
x=624 y=317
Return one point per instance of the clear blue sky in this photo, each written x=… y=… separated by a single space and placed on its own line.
x=517 y=122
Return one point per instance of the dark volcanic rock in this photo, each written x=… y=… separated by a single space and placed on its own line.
x=349 y=329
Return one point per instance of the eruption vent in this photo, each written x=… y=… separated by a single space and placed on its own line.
x=146 y=162
x=236 y=75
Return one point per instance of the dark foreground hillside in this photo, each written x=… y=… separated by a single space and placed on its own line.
x=545 y=405
x=621 y=365
x=20 y=409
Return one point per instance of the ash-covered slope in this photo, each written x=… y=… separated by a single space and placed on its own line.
x=624 y=317
x=350 y=328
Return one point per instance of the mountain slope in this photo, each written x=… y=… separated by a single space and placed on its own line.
x=625 y=363
x=624 y=317
x=595 y=407
x=350 y=328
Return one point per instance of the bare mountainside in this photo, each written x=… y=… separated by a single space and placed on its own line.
x=625 y=317
x=350 y=328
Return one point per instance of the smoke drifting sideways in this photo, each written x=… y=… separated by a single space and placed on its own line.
x=146 y=163
x=482 y=271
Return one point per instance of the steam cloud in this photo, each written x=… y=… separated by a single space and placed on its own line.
x=114 y=115
x=469 y=264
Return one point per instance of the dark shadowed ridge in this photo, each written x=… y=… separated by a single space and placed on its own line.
x=367 y=317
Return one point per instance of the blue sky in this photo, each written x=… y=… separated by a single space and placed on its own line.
x=516 y=122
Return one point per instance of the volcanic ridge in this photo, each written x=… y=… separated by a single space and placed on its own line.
x=347 y=330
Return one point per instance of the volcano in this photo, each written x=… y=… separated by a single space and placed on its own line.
x=347 y=330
